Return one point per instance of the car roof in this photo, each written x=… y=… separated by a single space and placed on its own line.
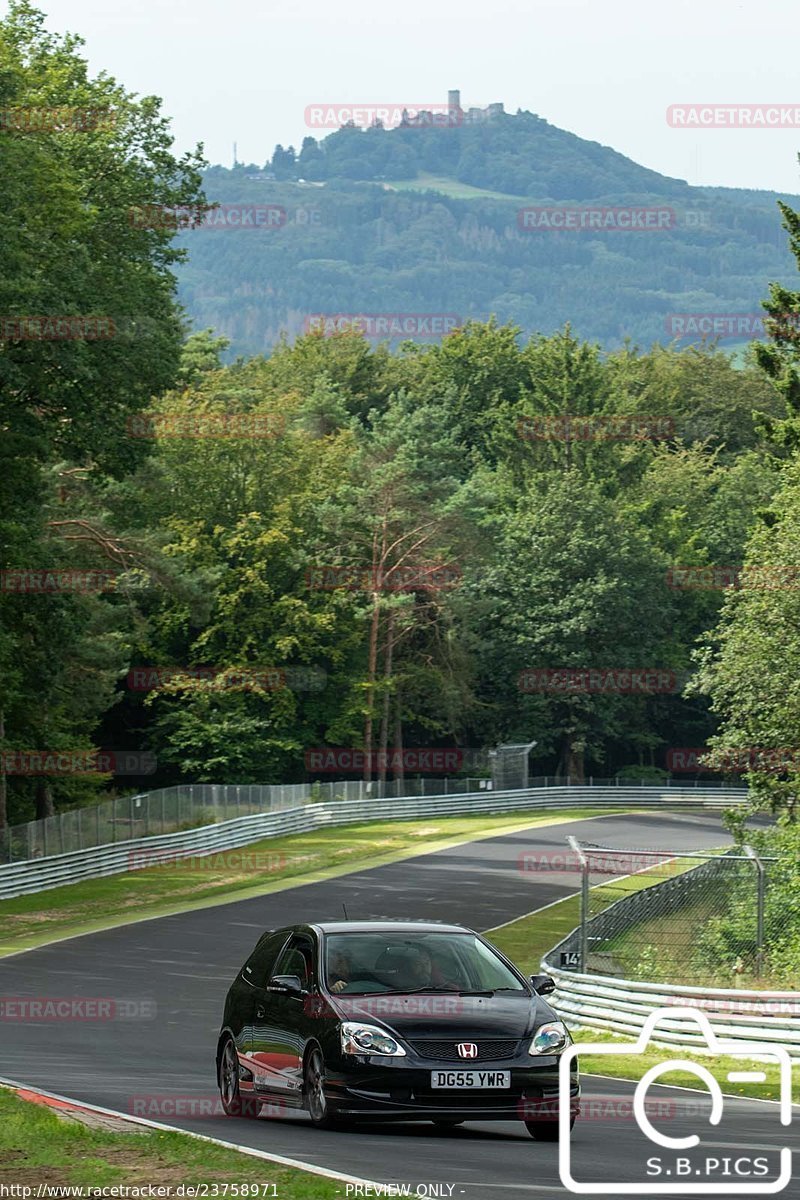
x=387 y=925
x=377 y=925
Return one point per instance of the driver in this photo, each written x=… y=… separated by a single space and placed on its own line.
x=421 y=971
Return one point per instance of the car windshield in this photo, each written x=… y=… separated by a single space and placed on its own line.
x=368 y=963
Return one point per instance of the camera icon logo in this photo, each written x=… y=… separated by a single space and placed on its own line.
x=685 y=1178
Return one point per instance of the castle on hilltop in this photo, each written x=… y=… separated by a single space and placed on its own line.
x=473 y=116
x=454 y=114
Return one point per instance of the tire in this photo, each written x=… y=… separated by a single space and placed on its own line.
x=546 y=1131
x=233 y=1102
x=314 y=1093
x=447 y=1123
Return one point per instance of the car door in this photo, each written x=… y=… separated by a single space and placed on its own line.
x=246 y=997
x=280 y=1018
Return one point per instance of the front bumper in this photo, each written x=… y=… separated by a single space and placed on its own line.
x=402 y=1090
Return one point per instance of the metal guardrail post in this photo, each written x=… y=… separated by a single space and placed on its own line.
x=761 y=878
x=584 y=865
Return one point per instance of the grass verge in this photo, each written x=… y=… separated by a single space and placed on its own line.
x=39 y=1148
x=624 y=1067
x=262 y=867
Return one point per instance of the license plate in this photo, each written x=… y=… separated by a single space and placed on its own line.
x=470 y=1079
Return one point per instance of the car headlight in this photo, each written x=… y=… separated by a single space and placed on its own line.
x=550 y=1038
x=369 y=1039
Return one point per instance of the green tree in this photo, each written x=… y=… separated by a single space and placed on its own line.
x=573 y=585
x=750 y=660
x=75 y=247
x=402 y=520
x=246 y=531
x=750 y=663
x=201 y=352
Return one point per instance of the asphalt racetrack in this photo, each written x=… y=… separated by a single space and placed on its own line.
x=183 y=965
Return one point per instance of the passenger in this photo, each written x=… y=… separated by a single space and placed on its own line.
x=340 y=971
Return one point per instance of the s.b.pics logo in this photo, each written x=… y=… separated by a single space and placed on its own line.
x=683 y=1162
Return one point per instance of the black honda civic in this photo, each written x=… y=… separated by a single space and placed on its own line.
x=392 y=1020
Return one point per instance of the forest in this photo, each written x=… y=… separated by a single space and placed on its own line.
x=231 y=568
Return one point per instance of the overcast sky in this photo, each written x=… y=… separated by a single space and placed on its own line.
x=245 y=70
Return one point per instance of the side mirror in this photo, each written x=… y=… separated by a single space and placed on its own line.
x=289 y=984
x=543 y=984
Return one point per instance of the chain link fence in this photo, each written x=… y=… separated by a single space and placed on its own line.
x=190 y=806
x=702 y=918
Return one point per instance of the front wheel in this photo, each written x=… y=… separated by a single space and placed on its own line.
x=314 y=1093
x=545 y=1131
x=233 y=1102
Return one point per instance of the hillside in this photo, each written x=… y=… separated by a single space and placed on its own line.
x=432 y=220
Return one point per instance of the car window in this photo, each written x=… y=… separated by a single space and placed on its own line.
x=485 y=966
x=296 y=960
x=401 y=962
x=258 y=968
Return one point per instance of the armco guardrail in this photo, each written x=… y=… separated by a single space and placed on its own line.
x=623 y=1005
x=190 y=805
x=36 y=875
